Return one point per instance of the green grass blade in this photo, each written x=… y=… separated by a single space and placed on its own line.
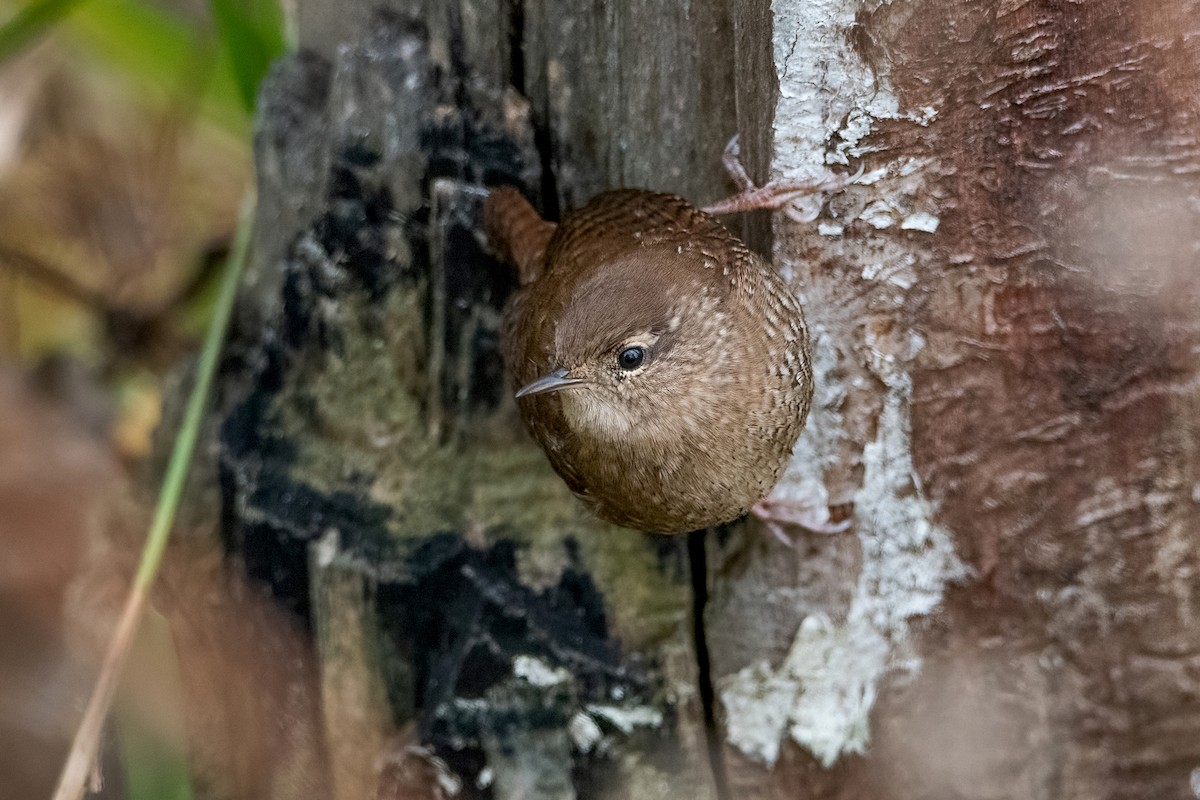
x=31 y=21
x=193 y=416
x=83 y=750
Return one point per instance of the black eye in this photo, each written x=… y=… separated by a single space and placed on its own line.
x=631 y=357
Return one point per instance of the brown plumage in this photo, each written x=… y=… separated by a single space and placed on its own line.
x=663 y=367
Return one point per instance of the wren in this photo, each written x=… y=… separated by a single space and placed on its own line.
x=663 y=367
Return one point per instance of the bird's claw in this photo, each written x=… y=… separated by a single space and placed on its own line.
x=774 y=514
x=775 y=195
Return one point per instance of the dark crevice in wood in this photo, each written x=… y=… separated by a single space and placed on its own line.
x=516 y=45
x=549 y=188
x=698 y=563
x=518 y=77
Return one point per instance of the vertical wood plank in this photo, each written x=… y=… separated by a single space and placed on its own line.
x=353 y=694
x=539 y=652
x=633 y=94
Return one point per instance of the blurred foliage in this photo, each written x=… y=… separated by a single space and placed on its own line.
x=31 y=21
x=252 y=31
x=160 y=50
x=124 y=156
x=124 y=151
x=151 y=735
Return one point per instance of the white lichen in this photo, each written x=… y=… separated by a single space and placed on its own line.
x=898 y=272
x=879 y=214
x=920 y=221
x=584 y=732
x=822 y=694
x=536 y=672
x=625 y=719
x=824 y=87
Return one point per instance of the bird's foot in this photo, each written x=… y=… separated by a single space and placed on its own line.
x=776 y=513
x=776 y=194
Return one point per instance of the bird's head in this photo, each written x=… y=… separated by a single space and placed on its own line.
x=636 y=344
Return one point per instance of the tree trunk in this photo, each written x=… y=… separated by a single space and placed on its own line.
x=1004 y=309
x=1006 y=323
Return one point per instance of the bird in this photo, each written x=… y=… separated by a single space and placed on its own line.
x=664 y=368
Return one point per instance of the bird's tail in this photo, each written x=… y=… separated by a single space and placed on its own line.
x=516 y=232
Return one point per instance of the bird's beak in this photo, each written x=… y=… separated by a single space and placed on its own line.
x=559 y=379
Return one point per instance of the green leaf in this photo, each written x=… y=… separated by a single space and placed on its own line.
x=252 y=31
x=30 y=22
x=161 y=49
x=163 y=53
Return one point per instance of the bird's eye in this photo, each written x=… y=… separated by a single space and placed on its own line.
x=631 y=357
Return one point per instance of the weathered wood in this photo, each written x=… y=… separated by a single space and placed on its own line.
x=632 y=94
x=1004 y=309
x=537 y=651
x=474 y=33
x=756 y=90
x=357 y=720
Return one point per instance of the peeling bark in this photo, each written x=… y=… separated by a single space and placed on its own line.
x=1011 y=302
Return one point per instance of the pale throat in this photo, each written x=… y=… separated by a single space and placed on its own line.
x=589 y=413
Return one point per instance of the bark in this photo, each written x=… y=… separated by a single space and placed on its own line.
x=1007 y=327
x=1006 y=335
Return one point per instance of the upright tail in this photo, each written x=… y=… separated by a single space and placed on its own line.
x=516 y=232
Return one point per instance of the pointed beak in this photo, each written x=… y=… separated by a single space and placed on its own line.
x=559 y=379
